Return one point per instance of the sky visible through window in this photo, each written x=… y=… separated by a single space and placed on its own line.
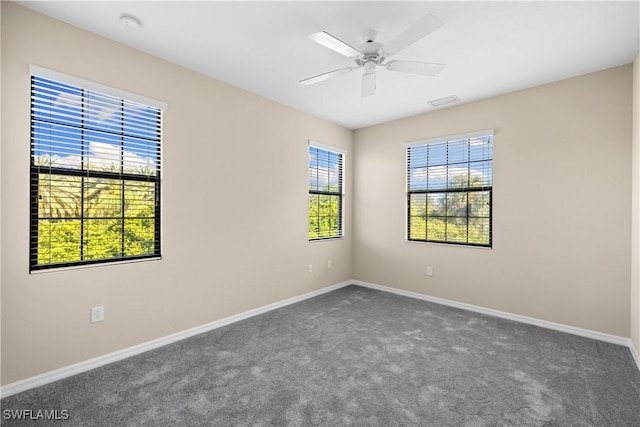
x=453 y=164
x=324 y=169
x=112 y=133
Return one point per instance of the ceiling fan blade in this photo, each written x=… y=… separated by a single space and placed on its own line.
x=368 y=83
x=325 y=76
x=327 y=40
x=418 y=30
x=422 y=68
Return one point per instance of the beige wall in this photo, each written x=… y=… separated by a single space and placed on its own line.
x=635 y=211
x=234 y=206
x=562 y=180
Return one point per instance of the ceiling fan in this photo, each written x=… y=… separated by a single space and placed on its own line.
x=372 y=54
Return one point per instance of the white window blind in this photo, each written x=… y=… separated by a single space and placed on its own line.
x=95 y=177
x=325 y=193
x=449 y=190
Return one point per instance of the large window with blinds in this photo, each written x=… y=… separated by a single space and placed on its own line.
x=325 y=193
x=449 y=190
x=95 y=177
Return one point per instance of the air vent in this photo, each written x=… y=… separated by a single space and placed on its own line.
x=443 y=101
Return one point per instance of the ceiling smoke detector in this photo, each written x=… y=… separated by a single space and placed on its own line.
x=130 y=22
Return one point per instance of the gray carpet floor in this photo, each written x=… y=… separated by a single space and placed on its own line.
x=361 y=357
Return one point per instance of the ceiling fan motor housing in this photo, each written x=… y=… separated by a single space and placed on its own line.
x=370 y=55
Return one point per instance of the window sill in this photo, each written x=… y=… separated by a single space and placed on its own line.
x=102 y=264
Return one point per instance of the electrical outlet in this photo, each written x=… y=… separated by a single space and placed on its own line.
x=429 y=271
x=97 y=314
x=329 y=264
x=310 y=268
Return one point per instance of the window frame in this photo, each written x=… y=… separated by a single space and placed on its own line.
x=340 y=193
x=449 y=190
x=121 y=179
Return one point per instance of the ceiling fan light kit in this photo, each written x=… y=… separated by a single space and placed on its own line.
x=372 y=54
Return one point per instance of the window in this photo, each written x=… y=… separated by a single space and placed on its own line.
x=95 y=177
x=325 y=193
x=449 y=190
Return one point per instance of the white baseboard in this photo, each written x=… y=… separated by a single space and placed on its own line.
x=614 y=339
x=634 y=353
x=68 y=371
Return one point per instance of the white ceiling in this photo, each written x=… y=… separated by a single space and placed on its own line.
x=263 y=47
